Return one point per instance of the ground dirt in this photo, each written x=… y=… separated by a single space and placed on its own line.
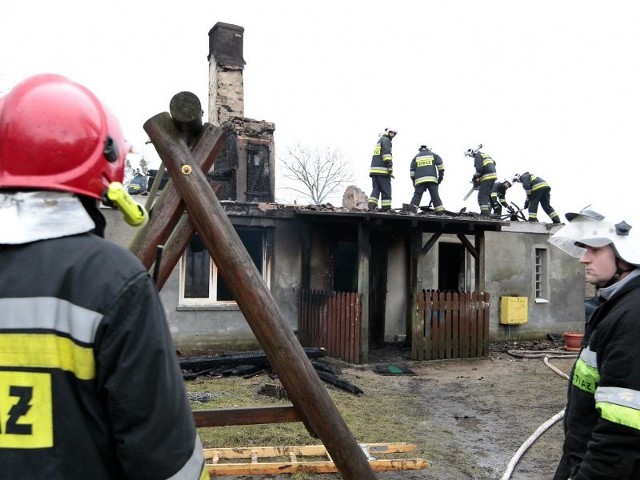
x=469 y=417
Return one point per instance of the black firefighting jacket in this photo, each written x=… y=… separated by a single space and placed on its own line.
x=81 y=396
x=602 y=417
x=499 y=194
x=382 y=160
x=426 y=167
x=531 y=183
x=485 y=168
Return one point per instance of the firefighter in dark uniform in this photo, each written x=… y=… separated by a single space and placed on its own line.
x=381 y=172
x=427 y=172
x=90 y=386
x=498 y=196
x=538 y=192
x=602 y=415
x=484 y=177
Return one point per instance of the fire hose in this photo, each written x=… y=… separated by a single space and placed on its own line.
x=546 y=425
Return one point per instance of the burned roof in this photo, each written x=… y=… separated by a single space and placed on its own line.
x=403 y=219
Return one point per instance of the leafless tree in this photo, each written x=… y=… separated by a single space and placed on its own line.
x=315 y=173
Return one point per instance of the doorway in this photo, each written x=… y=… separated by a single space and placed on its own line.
x=451 y=263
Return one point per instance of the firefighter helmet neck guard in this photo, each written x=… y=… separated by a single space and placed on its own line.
x=56 y=135
x=593 y=228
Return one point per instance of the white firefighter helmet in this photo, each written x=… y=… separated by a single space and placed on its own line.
x=595 y=228
x=516 y=178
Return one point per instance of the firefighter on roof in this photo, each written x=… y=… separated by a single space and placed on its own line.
x=498 y=196
x=538 y=192
x=427 y=172
x=381 y=171
x=484 y=177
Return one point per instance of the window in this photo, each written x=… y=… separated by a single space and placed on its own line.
x=200 y=283
x=541 y=275
x=258 y=174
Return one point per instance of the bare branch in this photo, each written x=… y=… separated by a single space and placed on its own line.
x=315 y=173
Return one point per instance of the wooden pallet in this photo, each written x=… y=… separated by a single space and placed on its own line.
x=213 y=457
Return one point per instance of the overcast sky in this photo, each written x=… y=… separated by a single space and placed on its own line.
x=550 y=87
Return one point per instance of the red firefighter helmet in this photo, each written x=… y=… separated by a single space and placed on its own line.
x=56 y=135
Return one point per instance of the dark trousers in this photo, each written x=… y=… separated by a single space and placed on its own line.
x=381 y=188
x=542 y=196
x=484 y=196
x=433 y=192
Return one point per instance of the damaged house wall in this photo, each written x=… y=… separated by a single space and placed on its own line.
x=516 y=259
x=296 y=250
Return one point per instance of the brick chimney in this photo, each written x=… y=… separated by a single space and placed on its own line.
x=226 y=89
x=245 y=169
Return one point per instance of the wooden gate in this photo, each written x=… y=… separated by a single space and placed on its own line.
x=331 y=320
x=450 y=325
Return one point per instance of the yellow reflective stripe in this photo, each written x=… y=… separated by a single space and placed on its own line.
x=619 y=414
x=380 y=170
x=539 y=185
x=426 y=180
x=37 y=350
x=489 y=176
x=585 y=377
x=386 y=158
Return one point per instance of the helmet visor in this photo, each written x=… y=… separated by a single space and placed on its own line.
x=581 y=231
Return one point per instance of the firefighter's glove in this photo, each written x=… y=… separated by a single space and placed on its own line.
x=391 y=173
x=440 y=180
x=526 y=203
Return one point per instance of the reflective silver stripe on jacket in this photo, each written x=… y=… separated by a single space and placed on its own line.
x=192 y=470
x=625 y=397
x=49 y=313
x=589 y=357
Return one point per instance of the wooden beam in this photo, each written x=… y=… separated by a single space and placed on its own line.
x=294 y=464
x=224 y=417
x=431 y=242
x=168 y=209
x=364 y=265
x=468 y=245
x=307 y=393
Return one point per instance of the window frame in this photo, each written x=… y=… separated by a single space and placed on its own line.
x=211 y=302
x=540 y=274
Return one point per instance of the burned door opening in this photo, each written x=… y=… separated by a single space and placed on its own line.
x=345 y=266
x=378 y=288
x=451 y=267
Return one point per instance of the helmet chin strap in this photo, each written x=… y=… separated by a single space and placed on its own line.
x=619 y=272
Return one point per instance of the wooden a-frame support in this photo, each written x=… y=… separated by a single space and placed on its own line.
x=188 y=149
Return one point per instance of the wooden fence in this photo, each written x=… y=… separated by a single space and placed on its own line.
x=331 y=320
x=450 y=325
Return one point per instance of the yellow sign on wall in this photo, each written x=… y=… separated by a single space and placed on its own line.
x=514 y=310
